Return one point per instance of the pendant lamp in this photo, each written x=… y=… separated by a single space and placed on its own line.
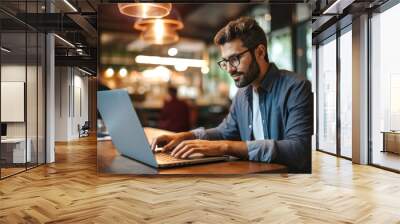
x=145 y=10
x=160 y=31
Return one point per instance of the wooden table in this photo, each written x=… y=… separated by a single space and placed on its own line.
x=110 y=162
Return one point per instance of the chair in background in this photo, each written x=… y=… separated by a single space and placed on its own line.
x=84 y=130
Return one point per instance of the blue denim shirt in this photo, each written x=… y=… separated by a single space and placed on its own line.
x=286 y=105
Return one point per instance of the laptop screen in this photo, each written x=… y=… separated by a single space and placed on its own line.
x=123 y=124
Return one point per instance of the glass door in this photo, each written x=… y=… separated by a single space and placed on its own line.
x=385 y=89
x=14 y=154
x=22 y=77
x=345 y=42
x=326 y=60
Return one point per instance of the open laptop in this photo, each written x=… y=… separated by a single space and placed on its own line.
x=128 y=136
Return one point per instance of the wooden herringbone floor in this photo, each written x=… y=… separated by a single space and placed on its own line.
x=70 y=191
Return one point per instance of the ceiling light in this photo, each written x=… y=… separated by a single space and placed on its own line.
x=159 y=34
x=64 y=40
x=145 y=10
x=123 y=72
x=109 y=72
x=205 y=70
x=180 y=67
x=160 y=31
x=5 y=50
x=155 y=60
x=173 y=20
x=70 y=5
x=172 y=51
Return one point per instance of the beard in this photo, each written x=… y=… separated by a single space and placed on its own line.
x=246 y=78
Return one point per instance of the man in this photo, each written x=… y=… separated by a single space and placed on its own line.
x=271 y=116
x=175 y=113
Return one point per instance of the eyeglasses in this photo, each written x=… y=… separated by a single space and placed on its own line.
x=233 y=60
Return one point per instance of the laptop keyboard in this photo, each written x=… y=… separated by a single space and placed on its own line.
x=168 y=158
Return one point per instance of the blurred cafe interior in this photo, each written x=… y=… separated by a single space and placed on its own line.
x=149 y=57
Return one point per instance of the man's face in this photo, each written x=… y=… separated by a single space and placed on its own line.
x=248 y=70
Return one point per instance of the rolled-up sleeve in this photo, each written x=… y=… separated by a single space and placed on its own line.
x=227 y=130
x=295 y=149
x=262 y=150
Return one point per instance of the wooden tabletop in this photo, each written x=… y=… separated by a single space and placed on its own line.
x=110 y=162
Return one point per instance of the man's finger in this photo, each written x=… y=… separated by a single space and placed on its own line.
x=156 y=141
x=178 y=147
x=188 y=153
x=170 y=146
x=181 y=151
x=153 y=144
x=177 y=152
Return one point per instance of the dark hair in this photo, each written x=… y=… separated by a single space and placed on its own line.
x=247 y=30
x=172 y=91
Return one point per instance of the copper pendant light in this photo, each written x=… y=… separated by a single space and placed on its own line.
x=155 y=35
x=160 y=31
x=145 y=10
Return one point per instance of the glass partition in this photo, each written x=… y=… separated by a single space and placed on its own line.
x=327 y=96
x=31 y=98
x=346 y=94
x=22 y=90
x=41 y=91
x=385 y=89
x=14 y=153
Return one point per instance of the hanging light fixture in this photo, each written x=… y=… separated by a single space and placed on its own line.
x=159 y=34
x=160 y=31
x=145 y=10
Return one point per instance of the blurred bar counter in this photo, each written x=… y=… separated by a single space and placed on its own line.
x=203 y=112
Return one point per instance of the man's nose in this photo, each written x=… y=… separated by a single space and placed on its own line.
x=231 y=69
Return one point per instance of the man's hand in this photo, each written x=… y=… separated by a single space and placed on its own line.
x=204 y=147
x=210 y=148
x=170 y=141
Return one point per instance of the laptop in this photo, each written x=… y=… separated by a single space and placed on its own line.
x=128 y=136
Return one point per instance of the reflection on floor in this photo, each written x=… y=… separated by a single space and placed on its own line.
x=386 y=159
x=10 y=171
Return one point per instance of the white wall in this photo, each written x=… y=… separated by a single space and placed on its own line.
x=61 y=103
x=71 y=102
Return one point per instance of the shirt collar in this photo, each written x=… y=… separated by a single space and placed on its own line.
x=268 y=81
x=270 y=77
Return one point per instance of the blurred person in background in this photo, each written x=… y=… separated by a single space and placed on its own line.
x=175 y=114
x=271 y=116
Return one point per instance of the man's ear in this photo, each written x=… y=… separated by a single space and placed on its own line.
x=261 y=51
